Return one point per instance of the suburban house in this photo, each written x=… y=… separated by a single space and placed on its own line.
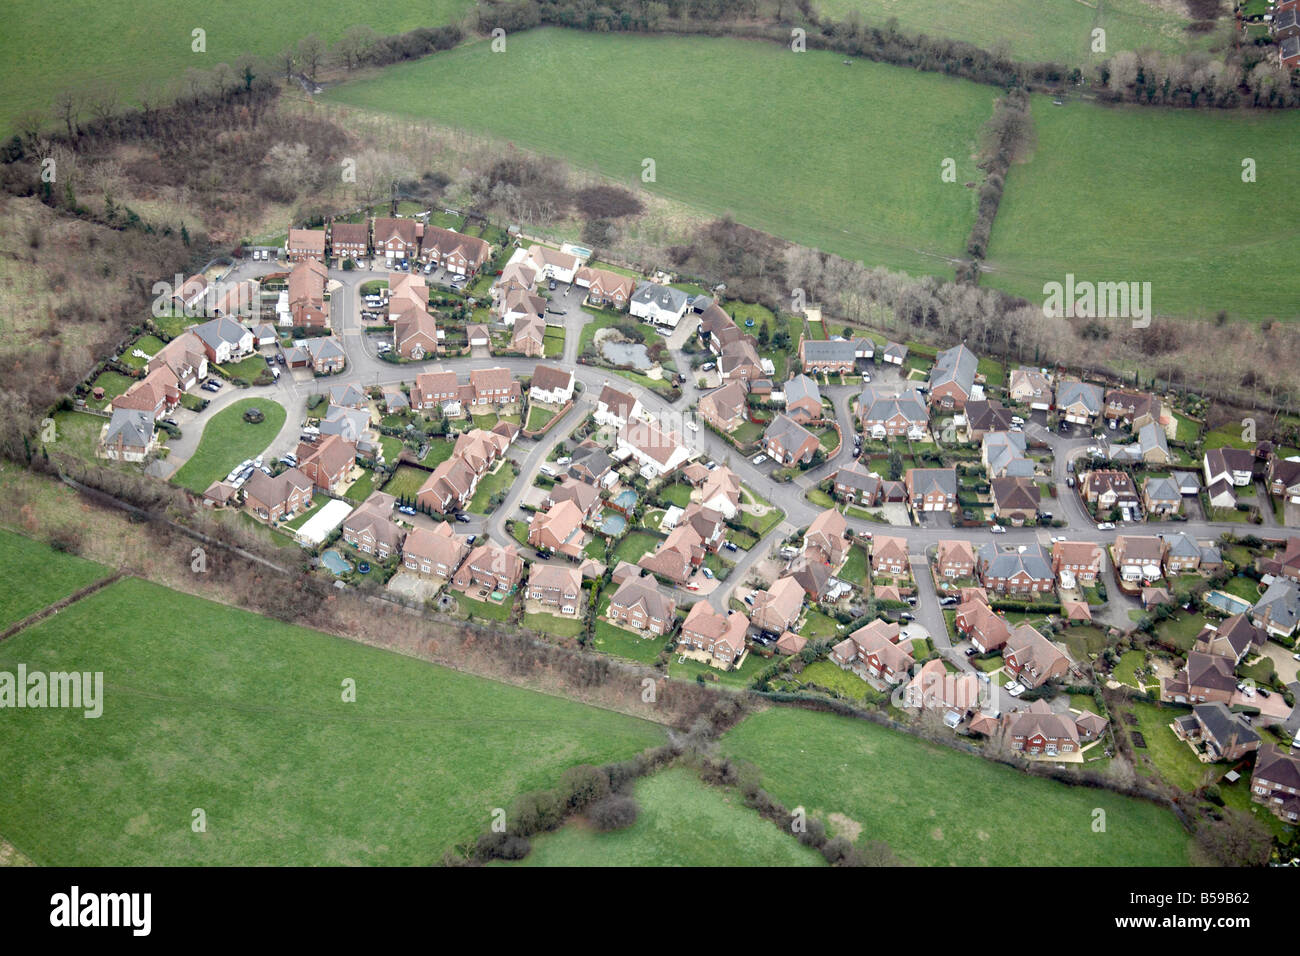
x=396 y=239
x=449 y=488
x=1276 y=782
x=1032 y=387
x=658 y=304
x=720 y=492
x=1003 y=455
x=551 y=385
x=638 y=605
x=584 y=496
x=529 y=336
x=224 y=340
x=128 y=436
x=833 y=356
x=518 y=305
x=1182 y=553
x=1076 y=563
x=347 y=396
x=325 y=355
x=1015 y=499
x=1138 y=557
x=308 y=307
x=186 y=357
x=436 y=390
x=1236 y=466
x=605 y=288
x=891 y=413
x=591 y=464
x=1285 y=562
x=328 y=462
x=721 y=637
x=556 y=586
x=351 y=423
x=777 y=608
x=1037 y=730
x=559 y=529
x=814 y=576
x=1022 y=570
x=1205 y=677
x=1032 y=659
x=952 y=379
x=493 y=387
x=889 y=556
x=1160 y=495
x=787 y=442
x=271 y=498
x=724 y=408
x=677 y=557
x=406 y=290
x=415 y=334
x=739 y=361
x=191 y=291
x=350 y=240
x=931 y=489
x=157 y=393
x=438 y=552
x=803 y=400
x=955 y=559
x=552 y=263
x=616 y=408
x=370 y=528
x=656 y=452
x=1235 y=637
x=981 y=625
x=985 y=416
x=457 y=253
x=1278 y=609
x=1079 y=403
x=491 y=566
x=824 y=539
x=854 y=483
x=1151 y=447
x=875 y=650
x=1284 y=479
x=305 y=244
x=933 y=688
x=1109 y=489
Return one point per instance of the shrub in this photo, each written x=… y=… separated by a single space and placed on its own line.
x=615 y=812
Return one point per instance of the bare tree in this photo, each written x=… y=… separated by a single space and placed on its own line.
x=311 y=52
x=67 y=106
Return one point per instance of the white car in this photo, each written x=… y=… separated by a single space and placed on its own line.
x=759 y=459
x=1094 y=451
x=1057 y=537
x=1014 y=689
x=692 y=426
x=998 y=529
x=1106 y=526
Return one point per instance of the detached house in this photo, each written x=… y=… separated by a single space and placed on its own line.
x=438 y=552
x=558 y=529
x=328 y=462
x=459 y=254
x=709 y=632
x=891 y=413
x=720 y=492
x=1076 y=563
x=1032 y=659
x=875 y=651
x=128 y=436
x=854 y=483
x=983 y=417
x=308 y=307
x=1022 y=570
x=824 y=539
x=777 y=608
x=1038 y=731
x=724 y=408
x=1138 y=557
x=1284 y=479
x=789 y=443
x=186 y=357
x=1031 y=387
x=834 y=356
x=658 y=304
x=931 y=489
x=656 y=452
x=955 y=559
x=491 y=566
x=1235 y=466
x=605 y=288
x=616 y=408
x=224 y=340
x=1160 y=496
x=396 y=239
x=638 y=605
x=1078 y=402
x=415 y=334
x=271 y=498
x=551 y=385
x=350 y=240
x=305 y=244
x=987 y=630
x=1015 y=499
x=1278 y=609
x=952 y=379
x=493 y=387
x=556 y=586
x=1108 y=489
x=889 y=556
x=436 y=390
x=157 y=394
x=803 y=400
x=1276 y=782
x=1205 y=677
x=370 y=528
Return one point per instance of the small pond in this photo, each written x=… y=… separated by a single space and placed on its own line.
x=627 y=354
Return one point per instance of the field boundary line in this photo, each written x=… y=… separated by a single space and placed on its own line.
x=52 y=609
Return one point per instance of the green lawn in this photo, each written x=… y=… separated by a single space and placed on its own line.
x=1125 y=670
x=633 y=545
x=77 y=433
x=899 y=789
x=1195 y=236
x=676 y=494
x=33 y=575
x=1083 y=640
x=360 y=489
x=113 y=383
x=240 y=715
x=152 y=41
x=227 y=440
x=557 y=626
x=150 y=345
x=690 y=669
x=489 y=609
x=440 y=450
x=247 y=369
x=553 y=343
x=682 y=822
x=818 y=627
x=1171 y=757
x=318 y=500
x=1181 y=630
x=538 y=417
x=1061 y=30
x=832 y=677
x=490 y=484
x=610 y=639
x=855 y=567
x=406 y=482
x=903 y=125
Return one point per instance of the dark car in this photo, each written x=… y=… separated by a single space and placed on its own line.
x=463 y=518
x=551 y=285
x=279 y=357
x=269 y=360
x=970 y=652
x=729 y=545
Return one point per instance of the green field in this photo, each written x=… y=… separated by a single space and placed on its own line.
x=683 y=822
x=756 y=162
x=227 y=440
x=1173 y=210
x=213 y=707
x=899 y=789
x=33 y=576
x=130 y=48
x=1060 y=31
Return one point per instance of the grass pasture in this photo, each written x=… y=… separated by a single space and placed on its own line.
x=903 y=124
x=130 y=48
x=890 y=786
x=214 y=707
x=1194 y=236
x=1061 y=30
x=683 y=822
x=33 y=576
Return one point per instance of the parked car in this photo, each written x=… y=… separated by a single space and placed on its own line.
x=462 y=518
x=707 y=367
x=759 y=459
x=557 y=312
x=279 y=357
x=997 y=529
x=970 y=652
x=1014 y=689
x=564 y=460
x=406 y=509
x=707 y=573
x=865 y=534
x=1106 y=526
x=471 y=538
x=749 y=599
x=731 y=546
x=551 y=285
x=692 y=426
